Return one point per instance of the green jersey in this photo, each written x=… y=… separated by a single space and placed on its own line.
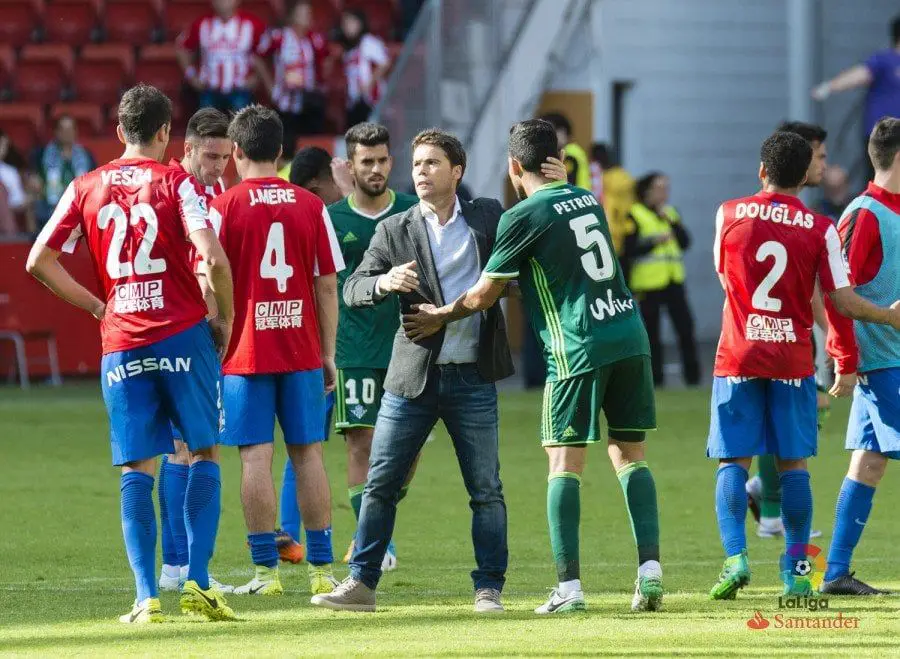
x=365 y=337
x=557 y=243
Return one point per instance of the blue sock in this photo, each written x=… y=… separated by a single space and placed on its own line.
x=318 y=546
x=796 y=510
x=262 y=549
x=172 y=489
x=851 y=513
x=290 y=511
x=169 y=553
x=202 y=505
x=139 y=529
x=731 y=507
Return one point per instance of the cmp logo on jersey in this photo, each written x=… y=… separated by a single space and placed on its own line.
x=769 y=329
x=137 y=367
x=138 y=296
x=281 y=314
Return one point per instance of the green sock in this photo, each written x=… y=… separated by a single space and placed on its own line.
x=564 y=516
x=403 y=492
x=770 y=506
x=356 y=493
x=640 y=499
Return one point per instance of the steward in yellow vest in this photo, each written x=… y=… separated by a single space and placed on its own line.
x=654 y=243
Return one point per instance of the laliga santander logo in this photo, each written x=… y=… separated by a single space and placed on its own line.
x=803 y=561
x=758 y=621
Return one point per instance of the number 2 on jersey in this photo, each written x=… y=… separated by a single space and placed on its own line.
x=598 y=269
x=273 y=264
x=143 y=264
x=761 y=299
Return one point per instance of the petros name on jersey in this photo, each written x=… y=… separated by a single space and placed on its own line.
x=279 y=315
x=128 y=176
x=575 y=204
x=774 y=212
x=271 y=196
x=139 y=296
x=769 y=329
x=146 y=365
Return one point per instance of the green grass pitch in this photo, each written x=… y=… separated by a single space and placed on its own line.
x=64 y=577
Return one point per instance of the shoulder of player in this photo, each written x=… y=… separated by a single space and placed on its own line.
x=490 y=209
x=404 y=201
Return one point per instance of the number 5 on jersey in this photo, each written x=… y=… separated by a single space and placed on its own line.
x=274 y=264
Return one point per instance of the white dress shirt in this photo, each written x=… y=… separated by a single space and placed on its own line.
x=456 y=262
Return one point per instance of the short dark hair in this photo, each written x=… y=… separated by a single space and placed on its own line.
x=643 y=185
x=207 y=122
x=310 y=163
x=143 y=110
x=809 y=132
x=895 y=30
x=786 y=157
x=604 y=154
x=366 y=134
x=884 y=143
x=558 y=120
x=531 y=142
x=450 y=145
x=258 y=131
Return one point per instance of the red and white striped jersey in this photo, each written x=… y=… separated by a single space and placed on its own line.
x=769 y=250
x=211 y=192
x=298 y=64
x=135 y=216
x=226 y=48
x=278 y=238
x=360 y=64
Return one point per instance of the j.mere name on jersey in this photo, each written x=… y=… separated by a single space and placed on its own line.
x=577 y=203
x=146 y=365
x=130 y=176
x=271 y=196
x=779 y=214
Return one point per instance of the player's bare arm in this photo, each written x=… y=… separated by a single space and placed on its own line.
x=429 y=319
x=849 y=304
x=327 y=314
x=218 y=278
x=43 y=264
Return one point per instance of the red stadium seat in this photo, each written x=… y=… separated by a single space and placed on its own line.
x=72 y=22
x=18 y=21
x=158 y=66
x=87 y=116
x=23 y=123
x=180 y=15
x=43 y=73
x=380 y=13
x=7 y=65
x=264 y=9
x=325 y=17
x=131 y=21
x=102 y=71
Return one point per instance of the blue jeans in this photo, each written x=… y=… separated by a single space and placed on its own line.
x=236 y=99
x=467 y=405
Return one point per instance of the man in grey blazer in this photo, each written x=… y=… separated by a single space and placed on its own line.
x=432 y=253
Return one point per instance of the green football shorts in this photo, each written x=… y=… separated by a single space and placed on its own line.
x=358 y=397
x=623 y=390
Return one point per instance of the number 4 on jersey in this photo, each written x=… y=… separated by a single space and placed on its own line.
x=274 y=264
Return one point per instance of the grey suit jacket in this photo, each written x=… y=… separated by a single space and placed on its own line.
x=402 y=238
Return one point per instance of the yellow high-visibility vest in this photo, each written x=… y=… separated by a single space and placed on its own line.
x=577 y=166
x=663 y=265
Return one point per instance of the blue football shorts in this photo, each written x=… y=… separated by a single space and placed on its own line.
x=875 y=413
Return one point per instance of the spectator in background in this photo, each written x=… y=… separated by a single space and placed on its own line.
x=330 y=179
x=366 y=63
x=616 y=187
x=880 y=74
x=56 y=165
x=16 y=201
x=836 y=191
x=573 y=155
x=301 y=64
x=216 y=54
x=654 y=248
x=409 y=10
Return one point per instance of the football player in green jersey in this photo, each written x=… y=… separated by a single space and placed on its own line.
x=557 y=243
x=365 y=336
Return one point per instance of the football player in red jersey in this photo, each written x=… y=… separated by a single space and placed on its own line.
x=139 y=218
x=280 y=361
x=769 y=252
x=207 y=150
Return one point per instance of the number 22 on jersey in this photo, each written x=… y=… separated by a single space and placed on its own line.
x=143 y=263
x=274 y=264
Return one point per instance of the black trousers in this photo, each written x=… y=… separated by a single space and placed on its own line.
x=674 y=299
x=309 y=121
